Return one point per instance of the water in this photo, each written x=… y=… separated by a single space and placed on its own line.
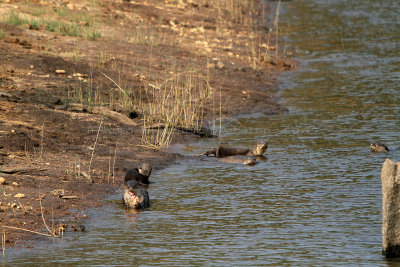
x=316 y=200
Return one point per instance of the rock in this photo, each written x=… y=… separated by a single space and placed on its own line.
x=15 y=184
x=60 y=71
x=2 y=180
x=19 y=195
x=211 y=66
x=390 y=177
x=220 y=65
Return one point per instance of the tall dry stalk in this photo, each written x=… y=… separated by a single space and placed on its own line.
x=113 y=167
x=3 y=243
x=44 y=221
x=41 y=142
x=94 y=148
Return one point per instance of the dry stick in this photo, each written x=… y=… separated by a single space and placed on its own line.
x=94 y=147
x=109 y=168
x=41 y=210
x=276 y=25
x=41 y=143
x=115 y=156
x=220 y=112
x=27 y=230
x=3 y=243
x=119 y=87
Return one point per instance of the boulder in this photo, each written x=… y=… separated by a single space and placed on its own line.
x=390 y=177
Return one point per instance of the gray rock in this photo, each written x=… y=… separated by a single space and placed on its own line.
x=390 y=177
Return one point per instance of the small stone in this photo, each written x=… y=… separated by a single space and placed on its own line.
x=211 y=66
x=19 y=195
x=15 y=184
x=60 y=71
x=220 y=65
x=2 y=180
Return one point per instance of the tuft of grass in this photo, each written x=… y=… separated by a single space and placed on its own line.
x=2 y=34
x=58 y=26
x=92 y=34
x=238 y=11
x=14 y=19
x=178 y=102
x=146 y=36
x=37 y=12
x=63 y=28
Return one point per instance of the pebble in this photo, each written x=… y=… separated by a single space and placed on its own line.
x=2 y=180
x=19 y=195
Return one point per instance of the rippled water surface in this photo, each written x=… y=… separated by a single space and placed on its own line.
x=315 y=200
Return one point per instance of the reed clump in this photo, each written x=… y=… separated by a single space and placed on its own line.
x=239 y=11
x=177 y=102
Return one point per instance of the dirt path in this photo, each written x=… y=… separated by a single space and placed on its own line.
x=74 y=77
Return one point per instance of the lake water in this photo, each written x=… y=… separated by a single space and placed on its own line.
x=315 y=200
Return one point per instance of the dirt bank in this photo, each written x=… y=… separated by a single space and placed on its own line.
x=75 y=77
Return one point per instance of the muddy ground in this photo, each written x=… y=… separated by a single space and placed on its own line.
x=68 y=135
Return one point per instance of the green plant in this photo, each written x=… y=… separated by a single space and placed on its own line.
x=34 y=24
x=2 y=34
x=37 y=12
x=14 y=19
x=63 y=28
x=92 y=34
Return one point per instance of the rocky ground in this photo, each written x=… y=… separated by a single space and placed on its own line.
x=76 y=78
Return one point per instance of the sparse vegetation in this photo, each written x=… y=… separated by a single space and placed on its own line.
x=14 y=19
x=145 y=35
x=57 y=26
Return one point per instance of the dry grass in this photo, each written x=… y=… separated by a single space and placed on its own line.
x=176 y=102
x=259 y=47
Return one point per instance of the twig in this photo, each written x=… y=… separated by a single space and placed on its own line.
x=27 y=230
x=119 y=87
x=41 y=210
x=109 y=168
x=21 y=170
x=94 y=147
x=3 y=243
x=41 y=143
x=115 y=156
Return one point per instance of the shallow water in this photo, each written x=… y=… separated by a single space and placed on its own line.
x=316 y=200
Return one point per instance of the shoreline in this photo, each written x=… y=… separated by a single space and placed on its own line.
x=66 y=135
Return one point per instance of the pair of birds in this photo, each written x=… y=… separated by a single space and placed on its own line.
x=135 y=194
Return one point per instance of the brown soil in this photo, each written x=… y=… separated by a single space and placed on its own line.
x=46 y=143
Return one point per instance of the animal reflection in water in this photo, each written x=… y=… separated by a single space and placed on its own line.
x=244 y=156
x=135 y=194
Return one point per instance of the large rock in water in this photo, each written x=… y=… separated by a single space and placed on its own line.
x=390 y=177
